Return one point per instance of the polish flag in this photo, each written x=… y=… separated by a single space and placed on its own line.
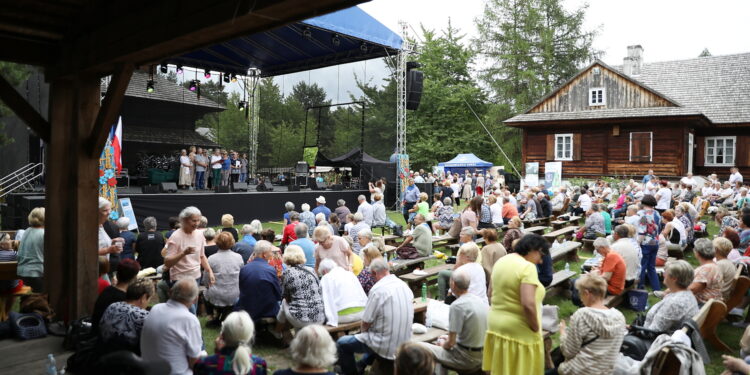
x=117 y=144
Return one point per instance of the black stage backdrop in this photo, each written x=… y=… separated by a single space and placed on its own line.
x=245 y=207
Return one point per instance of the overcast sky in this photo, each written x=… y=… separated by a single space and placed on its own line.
x=667 y=30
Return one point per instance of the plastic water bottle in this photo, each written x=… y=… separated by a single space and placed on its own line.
x=51 y=365
x=567 y=267
x=424 y=292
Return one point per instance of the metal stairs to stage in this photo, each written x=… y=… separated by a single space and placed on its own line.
x=22 y=179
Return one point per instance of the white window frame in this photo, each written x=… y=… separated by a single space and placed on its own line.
x=593 y=103
x=562 y=137
x=650 y=147
x=725 y=139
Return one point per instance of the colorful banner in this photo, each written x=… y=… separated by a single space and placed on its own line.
x=532 y=174
x=402 y=165
x=107 y=177
x=553 y=175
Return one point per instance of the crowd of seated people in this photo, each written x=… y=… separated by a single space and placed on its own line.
x=326 y=274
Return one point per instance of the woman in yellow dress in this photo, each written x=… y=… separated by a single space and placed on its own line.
x=514 y=344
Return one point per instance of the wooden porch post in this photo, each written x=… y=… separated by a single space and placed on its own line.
x=70 y=243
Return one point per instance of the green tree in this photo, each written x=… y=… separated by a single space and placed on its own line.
x=705 y=53
x=529 y=47
x=15 y=74
x=380 y=116
x=444 y=125
x=229 y=128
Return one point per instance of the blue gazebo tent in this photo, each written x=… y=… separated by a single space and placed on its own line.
x=462 y=162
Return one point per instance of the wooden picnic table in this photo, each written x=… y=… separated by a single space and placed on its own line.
x=390 y=239
x=403 y=266
x=415 y=281
x=537 y=229
x=567 y=250
x=567 y=232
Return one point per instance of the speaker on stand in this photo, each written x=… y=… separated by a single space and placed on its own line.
x=414 y=80
x=239 y=186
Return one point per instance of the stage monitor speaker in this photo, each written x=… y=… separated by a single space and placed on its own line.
x=266 y=186
x=302 y=167
x=319 y=185
x=221 y=189
x=337 y=187
x=150 y=189
x=413 y=89
x=239 y=186
x=293 y=187
x=168 y=187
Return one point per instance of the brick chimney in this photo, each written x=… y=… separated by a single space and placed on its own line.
x=631 y=65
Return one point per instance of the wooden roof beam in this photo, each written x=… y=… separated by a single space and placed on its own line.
x=24 y=110
x=26 y=51
x=146 y=35
x=110 y=108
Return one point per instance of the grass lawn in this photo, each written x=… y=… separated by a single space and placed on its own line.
x=278 y=357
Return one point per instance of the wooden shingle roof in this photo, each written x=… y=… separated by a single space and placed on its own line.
x=165 y=90
x=717 y=86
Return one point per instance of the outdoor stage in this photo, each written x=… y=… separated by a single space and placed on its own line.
x=244 y=206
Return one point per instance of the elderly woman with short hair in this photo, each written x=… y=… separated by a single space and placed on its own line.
x=513 y=233
x=313 y=351
x=359 y=226
x=591 y=344
x=708 y=280
x=369 y=253
x=444 y=216
x=31 y=252
x=302 y=301
x=341 y=210
x=226 y=265
x=725 y=220
x=491 y=252
x=233 y=351
x=121 y=324
x=107 y=246
x=330 y=246
x=307 y=217
x=227 y=222
x=289 y=207
x=722 y=247
x=679 y=304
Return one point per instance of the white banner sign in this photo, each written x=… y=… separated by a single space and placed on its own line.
x=553 y=174
x=532 y=174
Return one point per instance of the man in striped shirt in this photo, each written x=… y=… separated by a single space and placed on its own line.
x=386 y=322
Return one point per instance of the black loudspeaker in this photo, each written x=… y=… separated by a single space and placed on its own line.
x=221 y=189
x=150 y=189
x=239 y=186
x=266 y=186
x=413 y=89
x=301 y=167
x=293 y=187
x=168 y=187
x=337 y=187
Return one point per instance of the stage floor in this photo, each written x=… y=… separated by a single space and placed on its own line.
x=244 y=206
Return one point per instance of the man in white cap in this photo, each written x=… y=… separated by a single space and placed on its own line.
x=321 y=208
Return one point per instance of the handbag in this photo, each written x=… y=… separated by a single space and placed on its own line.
x=407 y=252
x=550 y=319
x=558 y=357
x=79 y=330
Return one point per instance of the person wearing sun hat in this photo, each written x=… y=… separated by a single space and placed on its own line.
x=321 y=201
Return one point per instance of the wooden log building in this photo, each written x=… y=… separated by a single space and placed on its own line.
x=673 y=117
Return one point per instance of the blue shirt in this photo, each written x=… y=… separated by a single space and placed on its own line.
x=250 y=240
x=260 y=290
x=322 y=208
x=127 y=247
x=244 y=249
x=411 y=194
x=646 y=178
x=544 y=270
x=226 y=164
x=308 y=247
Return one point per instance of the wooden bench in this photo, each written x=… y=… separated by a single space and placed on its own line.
x=588 y=245
x=537 y=229
x=564 y=221
x=567 y=232
x=567 y=250
x=343 y=329
x=739 y=290
x=430 y=336
x=708 y=318
x=415 y=281
x=537 y=221
x=404 y=266
x=420 y=310
x=8 y=270
x=388 y=251
x=454 y=247
x=390 y=239
x=560 y=283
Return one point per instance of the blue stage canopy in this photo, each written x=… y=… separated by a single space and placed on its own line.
x=341 y=37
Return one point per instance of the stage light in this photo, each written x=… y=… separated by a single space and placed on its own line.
x=178 y=69
x=307 y=33
x=226 y=77
x=206 y=73
x=193 y=85
x=335 y=40
x=150 y=85
x=242 y=105
x=363 y=47
x=163 y=68
x=234 y=77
